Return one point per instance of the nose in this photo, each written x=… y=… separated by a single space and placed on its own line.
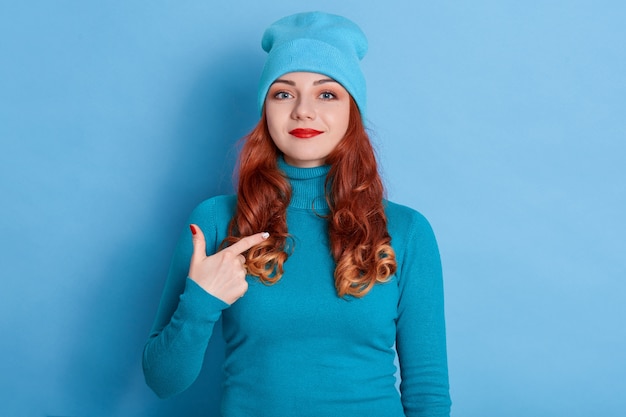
x=304 y=108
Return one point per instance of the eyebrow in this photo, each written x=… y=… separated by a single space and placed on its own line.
x=318 y=82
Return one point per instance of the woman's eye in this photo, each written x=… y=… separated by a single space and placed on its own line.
x=327 y=95
x=282 y=95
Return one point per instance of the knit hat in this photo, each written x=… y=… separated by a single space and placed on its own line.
x=315 y=42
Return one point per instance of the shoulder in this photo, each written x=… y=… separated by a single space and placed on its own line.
x=403 y=219
x=216 y=207
x=214 y=214
x=212 y=217
x=409 y=229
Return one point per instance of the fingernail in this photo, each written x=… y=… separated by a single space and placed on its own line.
x=265 y=235
x=193 y=229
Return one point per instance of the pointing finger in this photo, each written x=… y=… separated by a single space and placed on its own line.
x=247 y=242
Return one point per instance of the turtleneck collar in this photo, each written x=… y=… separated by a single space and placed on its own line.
x=307 y=186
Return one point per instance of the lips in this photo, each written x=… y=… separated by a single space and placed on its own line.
x=304 y=133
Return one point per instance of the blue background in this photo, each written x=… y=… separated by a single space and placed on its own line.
x=502 y=121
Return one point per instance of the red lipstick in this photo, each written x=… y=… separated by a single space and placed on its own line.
x=304 y=133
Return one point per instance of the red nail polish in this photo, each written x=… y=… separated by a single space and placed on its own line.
x=193 y=229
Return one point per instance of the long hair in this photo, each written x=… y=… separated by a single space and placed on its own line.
x=357 y=225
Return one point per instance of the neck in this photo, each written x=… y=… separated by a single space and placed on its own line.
x=307 y=186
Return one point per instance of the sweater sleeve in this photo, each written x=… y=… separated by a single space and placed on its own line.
x=174 y=352
x=421 y=338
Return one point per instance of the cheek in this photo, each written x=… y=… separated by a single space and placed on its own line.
x=272 y=121
x=343 y=120
x=275 y=115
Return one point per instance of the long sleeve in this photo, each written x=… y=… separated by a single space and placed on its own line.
x=175 y=349
x=421 y=339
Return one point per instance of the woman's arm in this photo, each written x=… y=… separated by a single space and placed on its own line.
x=421 y=334
x=175 y=349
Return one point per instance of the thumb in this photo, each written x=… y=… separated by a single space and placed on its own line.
x=199 y=244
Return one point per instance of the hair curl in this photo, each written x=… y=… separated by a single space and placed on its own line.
x=357 y=225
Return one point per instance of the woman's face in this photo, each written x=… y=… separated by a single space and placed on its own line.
x=307 y=116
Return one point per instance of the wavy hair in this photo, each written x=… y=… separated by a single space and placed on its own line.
x=357 y=225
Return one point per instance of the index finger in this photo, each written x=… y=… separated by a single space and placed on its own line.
x=247 y=242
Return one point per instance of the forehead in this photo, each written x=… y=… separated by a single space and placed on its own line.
x=304 y=78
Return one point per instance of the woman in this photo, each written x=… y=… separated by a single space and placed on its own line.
x=315 y=276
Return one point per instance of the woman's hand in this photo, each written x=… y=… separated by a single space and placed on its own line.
x=223 y=275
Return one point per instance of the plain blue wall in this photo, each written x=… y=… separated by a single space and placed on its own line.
x=503 y=122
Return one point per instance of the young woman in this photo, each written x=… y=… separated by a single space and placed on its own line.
x=317 y=278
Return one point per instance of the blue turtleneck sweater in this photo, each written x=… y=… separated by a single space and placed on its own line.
x=295 y=348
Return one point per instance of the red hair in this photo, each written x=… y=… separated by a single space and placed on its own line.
x=357 y=225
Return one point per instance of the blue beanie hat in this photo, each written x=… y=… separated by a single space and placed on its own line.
x=315 y=42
